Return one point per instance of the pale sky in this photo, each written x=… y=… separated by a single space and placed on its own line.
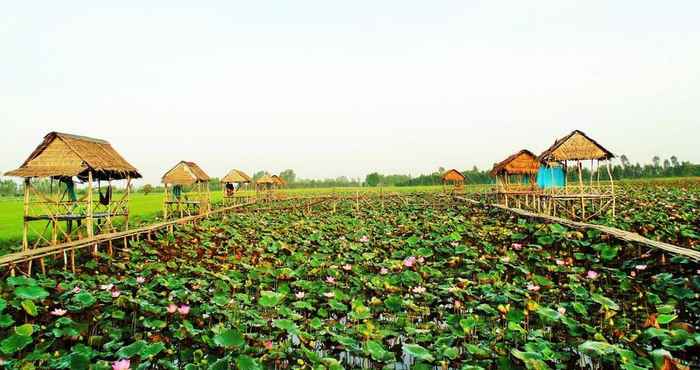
x=333 y=88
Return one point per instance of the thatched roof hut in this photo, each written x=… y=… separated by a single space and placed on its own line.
x=267 y=179
x=574 y=147
x=236 y=176
x=185 y=173
x=523 y=162
x=280 y=181
x=66 y=155
x=453 y=176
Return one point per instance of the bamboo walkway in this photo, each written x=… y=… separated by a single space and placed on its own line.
x=617 y=233
x=13 y=261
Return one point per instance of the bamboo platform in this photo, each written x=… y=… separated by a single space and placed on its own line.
x=617 y=233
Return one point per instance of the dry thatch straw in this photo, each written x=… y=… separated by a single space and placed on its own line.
x=280 y=181
x=267 y=179
x=66 y=155
x=185 y=173
x=453 y=176
x=574 y=147
x=236 y=176
x=523 y=162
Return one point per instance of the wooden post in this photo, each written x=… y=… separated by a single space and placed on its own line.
x=25 y=237
x=165 y=201
x=612 y=188
x=72 y=260
x=126 y=207
x=89 y=220
x=580 y=184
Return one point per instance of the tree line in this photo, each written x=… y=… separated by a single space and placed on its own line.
x=670 y=167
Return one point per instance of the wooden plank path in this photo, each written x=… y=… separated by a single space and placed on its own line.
x=617 y=233
x=12 y=260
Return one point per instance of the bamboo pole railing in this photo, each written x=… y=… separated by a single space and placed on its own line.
x=11 y=260
x=617 y=233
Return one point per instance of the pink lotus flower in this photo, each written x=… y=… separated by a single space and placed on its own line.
x=58 y=312
x=140 y=279
x=172 y=308
x=106 y=286
x=517 y=246
x=76 y=289
x=330 y=280
x=329 y=294
x=268 y=345
x=561 y=310
x=418 y=289
x=532 y=287
x=121 y=365
x=347 y=267
x=560 y=262
x=364 y=239
x=640 y=267
x=592 y=274
x=410 y=261
x=116 y=293
x=183 y=309
x=300 y=295
x=383 y=271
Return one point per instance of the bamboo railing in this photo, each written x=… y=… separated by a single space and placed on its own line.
x=617 y=233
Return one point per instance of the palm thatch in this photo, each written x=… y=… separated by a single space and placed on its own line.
x=236 y=176
x=280 y=181
x=573 y=147
x=453 y=176
x=267 y=179
x=66 y=155
x=185 y=173
x=523 y=162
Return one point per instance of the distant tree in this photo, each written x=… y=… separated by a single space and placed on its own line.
x=259 y=174
x=146 y=189
x=288 y=175
x=625 y=161
x=8 y=188
x=657 y=164
x=674 y=161
x=373 y=179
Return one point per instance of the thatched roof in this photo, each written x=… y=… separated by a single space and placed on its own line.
x=575 y=146
x=236 y=176
x=279 y=180
x=185 y=173
x=71 y=155
x=452 y=175
x=267 y=179
x=523 y=162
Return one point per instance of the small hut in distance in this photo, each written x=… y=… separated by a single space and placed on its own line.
x=189 y=194
x=454 y=179
x=517 y=172
x=61 y=158
x=516 y=179
x=280 y=181
x=233 y=182
x=265 y=187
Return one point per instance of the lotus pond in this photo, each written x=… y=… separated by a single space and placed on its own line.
x=406 y=285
